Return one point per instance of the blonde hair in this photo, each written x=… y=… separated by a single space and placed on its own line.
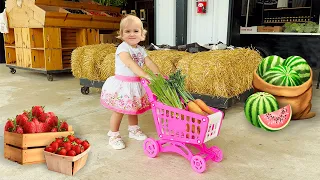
x=129 y=19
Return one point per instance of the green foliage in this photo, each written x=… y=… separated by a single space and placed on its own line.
x=111 y=2
x=308 y=27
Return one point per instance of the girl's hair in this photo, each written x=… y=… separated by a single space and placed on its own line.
x=131 y=19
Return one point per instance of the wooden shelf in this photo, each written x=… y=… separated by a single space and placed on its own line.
x=10 y=46
x=279 y=9
x=284 y=22
x=281 y=33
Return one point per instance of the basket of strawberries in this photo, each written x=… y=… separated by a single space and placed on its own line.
x=67 y=154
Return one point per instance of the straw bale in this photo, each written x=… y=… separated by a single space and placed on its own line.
x=166 y=60
x=76 y=62
x=93 y=55
x=107 y=67
x=221 y=73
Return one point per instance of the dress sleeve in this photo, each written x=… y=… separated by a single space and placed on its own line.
x=122 y=48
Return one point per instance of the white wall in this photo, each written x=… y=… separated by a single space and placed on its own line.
x=165 y=22
x=211 y=27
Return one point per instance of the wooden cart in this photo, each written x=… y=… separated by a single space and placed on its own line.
x=43 y=33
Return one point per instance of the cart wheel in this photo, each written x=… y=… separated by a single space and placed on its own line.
x=198 y=164
x=85 y=90
x=218 y=155
x=151 y=147
x=13 y=70
x=50 y=77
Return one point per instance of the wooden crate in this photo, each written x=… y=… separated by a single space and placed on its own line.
x=28 y=148
x=66 y=164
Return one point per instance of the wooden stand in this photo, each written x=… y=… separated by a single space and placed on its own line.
x=43 y=33
x=28 y=148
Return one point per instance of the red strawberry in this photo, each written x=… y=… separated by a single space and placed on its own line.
x=78 y=141
x=54 y=129
x=21 y=119
x=37 y=111
x=71 y=153
x=36 y=122
x=62 y=151
x=52 y=121
x=43 y=117
x=54 y=146
x=64 y=126
x=67 y=146
x=49 y=149
x=71 y=137
x=19 y=129
x=9 y=126
x=43 y=127
x=59 y=140
x=50 y=114
x=85 y=144
x=78 y=149
x=30 y=127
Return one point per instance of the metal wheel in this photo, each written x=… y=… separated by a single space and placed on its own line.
x=50 y=77
x=13 y=70
x=85 y=90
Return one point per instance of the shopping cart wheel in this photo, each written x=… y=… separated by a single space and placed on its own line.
x=151 y=147
x=198 y=164
x=218 y=155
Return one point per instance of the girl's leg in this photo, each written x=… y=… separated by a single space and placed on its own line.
x=115 y=139
x=134 y=130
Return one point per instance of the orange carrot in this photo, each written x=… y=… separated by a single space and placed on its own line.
x=203 y=106
x=193 y=107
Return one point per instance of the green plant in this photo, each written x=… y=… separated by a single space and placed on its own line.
x=111 y=2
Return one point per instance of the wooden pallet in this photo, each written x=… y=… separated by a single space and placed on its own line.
x=28 y=148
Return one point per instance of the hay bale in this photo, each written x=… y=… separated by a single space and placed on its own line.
x=166 y=60
x=107 y=66
x=221 y=73
x=76 y=62
x=93 y=55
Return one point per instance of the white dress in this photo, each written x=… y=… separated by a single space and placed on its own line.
x=123 y=92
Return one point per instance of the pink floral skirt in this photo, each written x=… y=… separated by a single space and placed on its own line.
x=127 y=97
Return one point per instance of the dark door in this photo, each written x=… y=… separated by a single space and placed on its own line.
x=181 y=22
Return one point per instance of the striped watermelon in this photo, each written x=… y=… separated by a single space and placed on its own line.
x=268 y=63
x=282 y=76
x=257 y=104
x=300 y=65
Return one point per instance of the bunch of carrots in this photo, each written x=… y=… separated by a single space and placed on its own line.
x=172 y=92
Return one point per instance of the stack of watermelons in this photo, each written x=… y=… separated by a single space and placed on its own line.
x=261 y=108
x=292 y=71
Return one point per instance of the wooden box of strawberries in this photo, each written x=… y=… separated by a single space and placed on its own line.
x=67 y=155
x=26 y=136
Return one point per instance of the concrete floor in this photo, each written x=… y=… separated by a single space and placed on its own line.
x=249 y=152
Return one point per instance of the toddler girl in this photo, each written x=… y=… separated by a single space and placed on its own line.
x=123 y=92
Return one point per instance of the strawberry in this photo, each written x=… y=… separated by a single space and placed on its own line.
x=85 y=144
x=43 y=117
x=62 y=151
x=78 y=149
x=54 y=146
x=78 y=141
x=37 y=111
x=67 y=145
x=21 y=119
x=30 y=127
x=36 y=122
x=59 y=140
x=64 y=126
x=43 y=127
x=71 y=137
x=50 y=114
x=19 y=129
x=9 y=126
x=54 y=129
x=71 y=153
x=52 y=121
x=49 y=149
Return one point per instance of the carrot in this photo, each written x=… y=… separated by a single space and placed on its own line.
x=203 y=106
x=193 y=107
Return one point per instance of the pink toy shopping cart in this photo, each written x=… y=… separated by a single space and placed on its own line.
x=178 y=128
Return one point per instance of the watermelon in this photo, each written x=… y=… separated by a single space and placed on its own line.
x=299 y=65
x=257 y=104
x=268 y=63
x=276 y=120
x=282 y=76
